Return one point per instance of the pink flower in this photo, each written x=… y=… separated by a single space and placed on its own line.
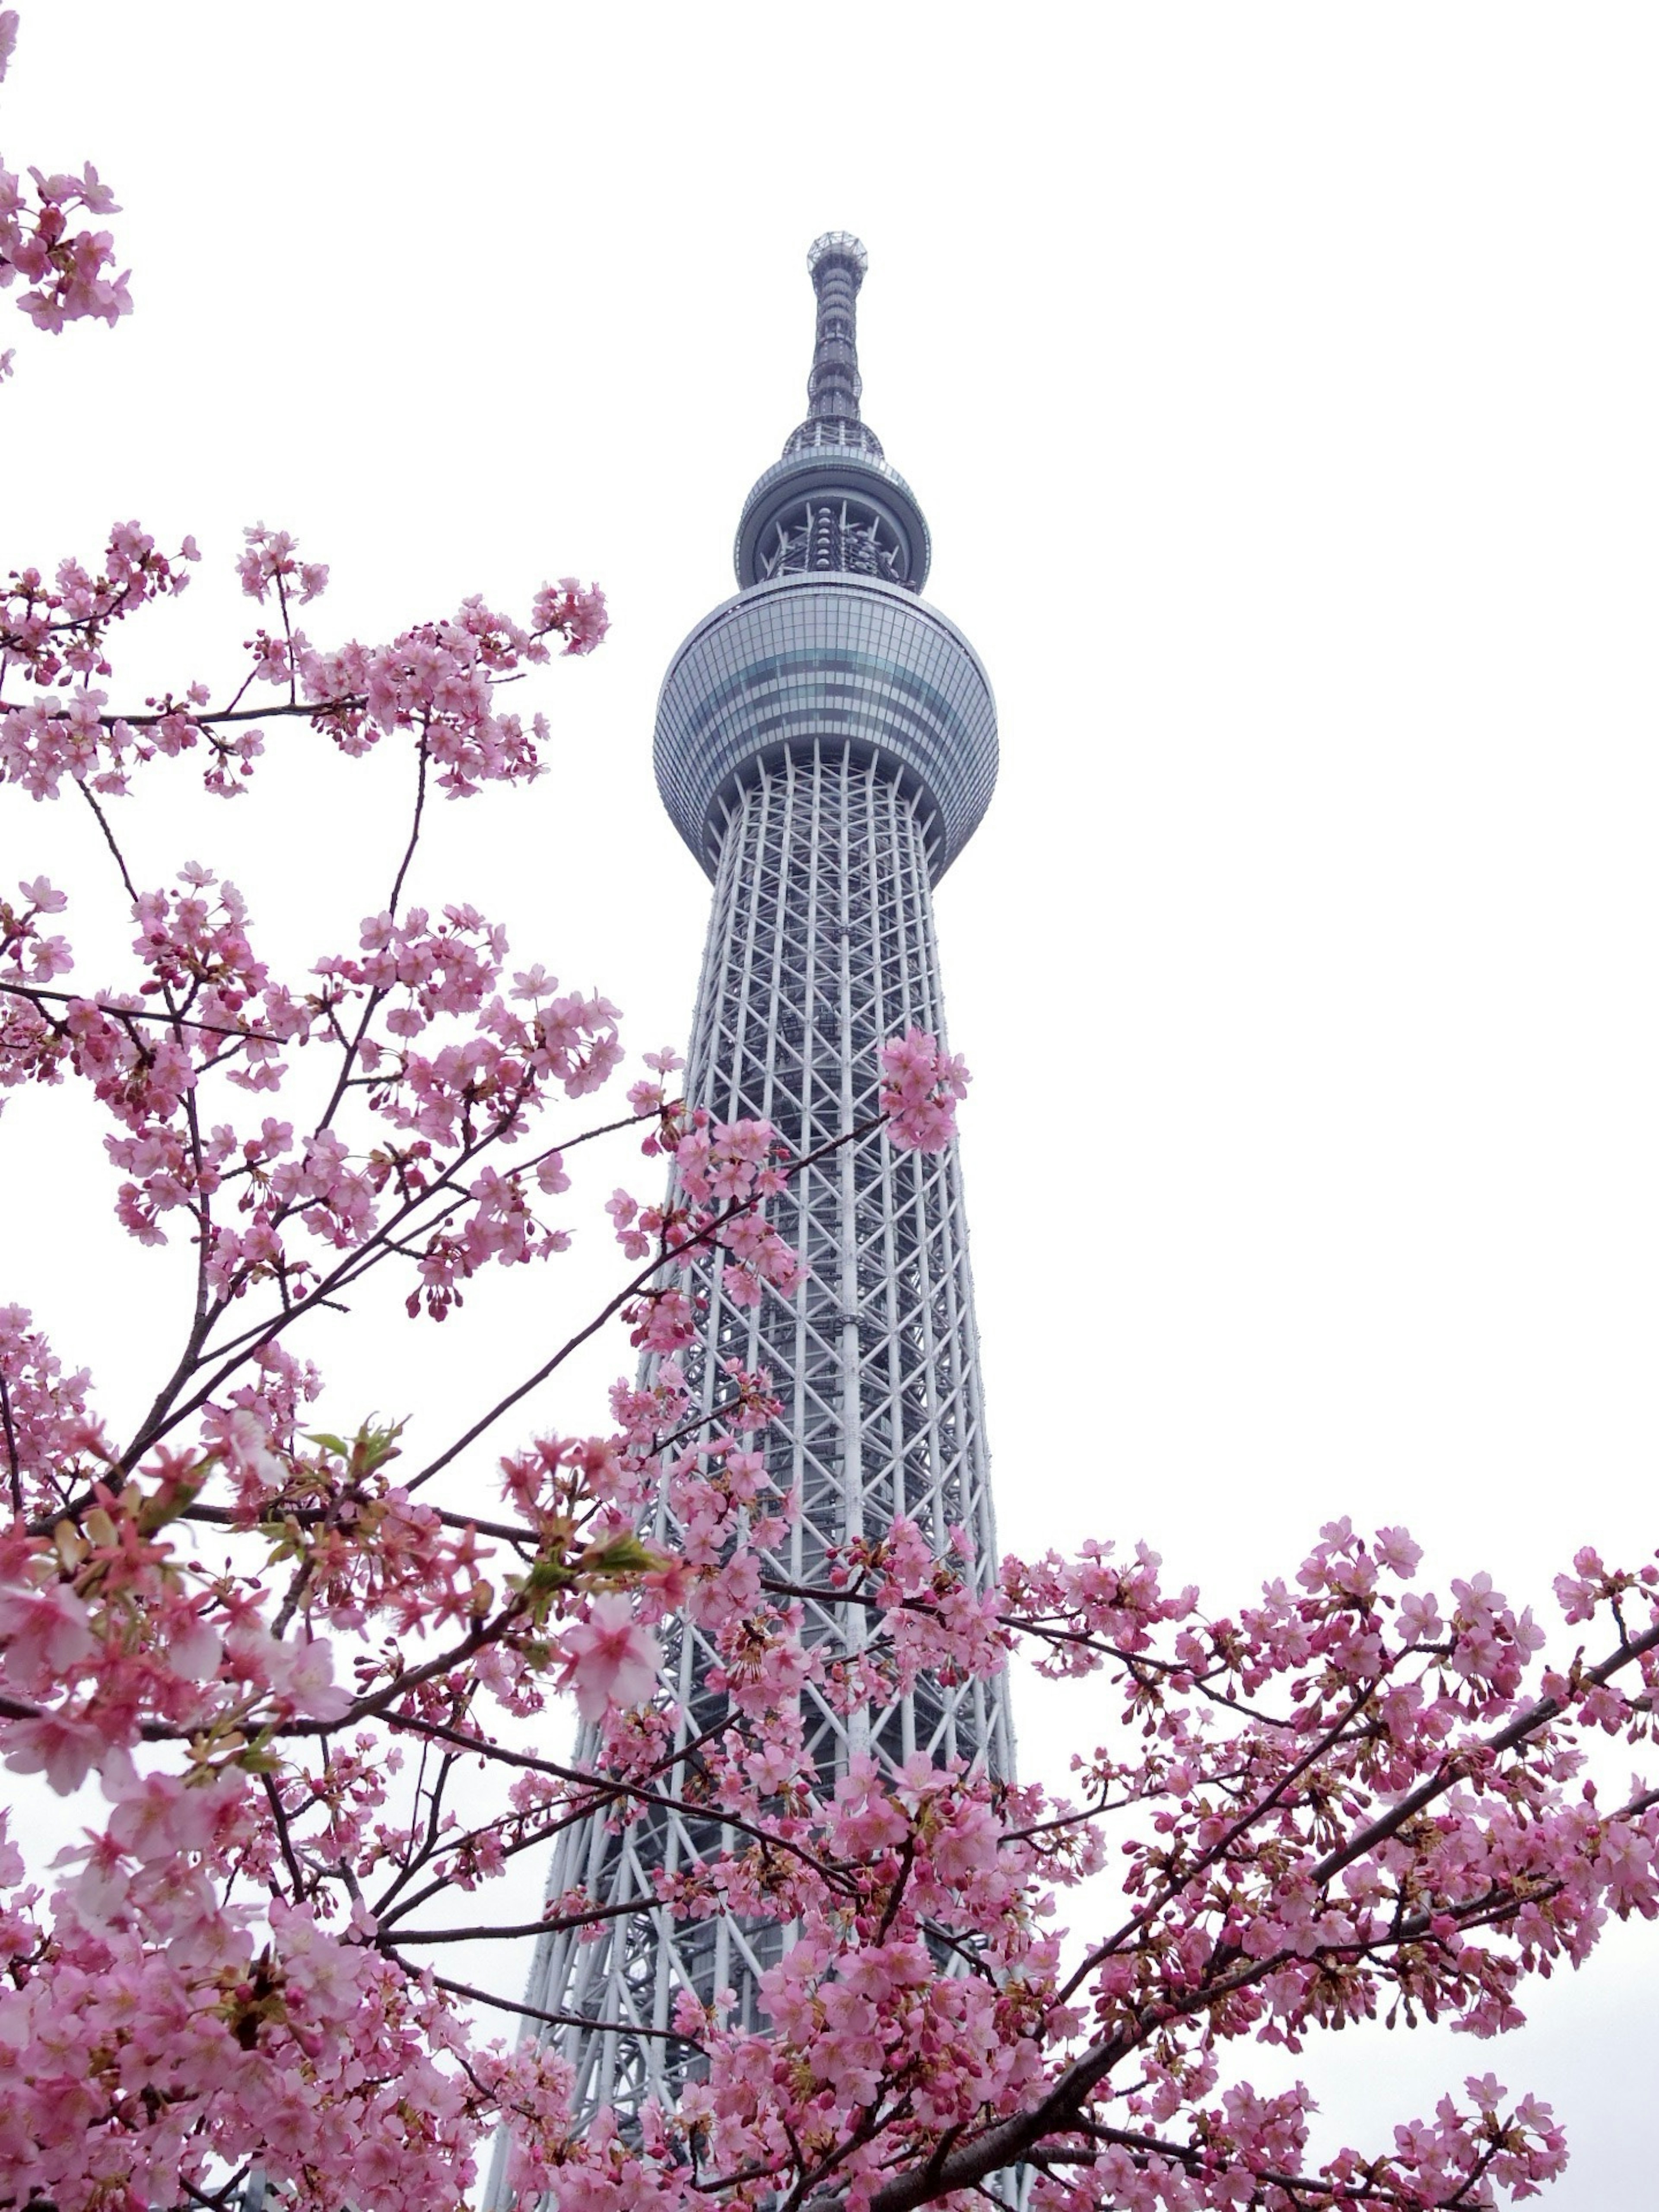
x=64 y=1750
x=1420 y=1617
x=49 y=956
x=1395 y=1551
x=921 y=1086
x=43 y=1636
x=609 y=1659
x=301 y=1676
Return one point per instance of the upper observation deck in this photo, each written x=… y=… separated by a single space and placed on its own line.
x=827 y=643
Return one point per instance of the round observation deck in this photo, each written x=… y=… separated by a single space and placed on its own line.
x=838 y=663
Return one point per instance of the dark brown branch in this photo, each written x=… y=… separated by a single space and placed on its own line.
x=549 y=1925
x=534 y=2012
x=35 y=992
x=14 y=1463
x=716 y=1815
x=642 y=1282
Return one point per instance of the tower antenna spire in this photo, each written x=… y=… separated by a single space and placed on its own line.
x=835 y=263
x=831 y=505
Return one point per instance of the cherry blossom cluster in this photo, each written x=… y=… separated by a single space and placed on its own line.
x=921 y=1087
x=271 y=562
x=157 y=2031
x=875 y=2068
x=932 y=1619
x=255 y=1198
x=1249 y=2152
x=1426 y=1842
x=44 y=1413
x=56 y=634
x=573 y=610
x=71 y=271
x=724 y=1172
x=1388 y=1870
x=436 y=682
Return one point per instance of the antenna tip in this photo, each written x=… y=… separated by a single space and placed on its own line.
x=837 y=246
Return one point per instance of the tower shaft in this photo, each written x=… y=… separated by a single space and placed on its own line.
x=826 y=744
x=821 y=945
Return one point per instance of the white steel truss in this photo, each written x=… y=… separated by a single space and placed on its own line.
x=821 y=946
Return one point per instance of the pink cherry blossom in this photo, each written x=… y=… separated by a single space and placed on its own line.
x=609 y=1659
x=920 y=1087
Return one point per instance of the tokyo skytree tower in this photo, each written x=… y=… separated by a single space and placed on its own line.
x=826 y=745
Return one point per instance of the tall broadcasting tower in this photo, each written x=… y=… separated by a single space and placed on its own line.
x=826 y=745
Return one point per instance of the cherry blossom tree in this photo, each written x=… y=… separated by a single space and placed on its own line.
x=305 y=1699
x=1350 y=1798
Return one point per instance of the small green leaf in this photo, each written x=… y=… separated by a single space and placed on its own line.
x=622 y=1555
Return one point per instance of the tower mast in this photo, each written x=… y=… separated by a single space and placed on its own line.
x=826 y=745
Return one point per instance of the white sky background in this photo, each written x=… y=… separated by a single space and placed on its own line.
x=1278 y=383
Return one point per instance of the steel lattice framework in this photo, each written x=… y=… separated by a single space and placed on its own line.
x=826 y=744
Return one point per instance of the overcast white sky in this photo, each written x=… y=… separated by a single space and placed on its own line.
x=1279 y=384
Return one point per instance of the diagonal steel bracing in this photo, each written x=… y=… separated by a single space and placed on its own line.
x=821 y=945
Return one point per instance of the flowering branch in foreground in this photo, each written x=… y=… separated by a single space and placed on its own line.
x=302 y=1697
